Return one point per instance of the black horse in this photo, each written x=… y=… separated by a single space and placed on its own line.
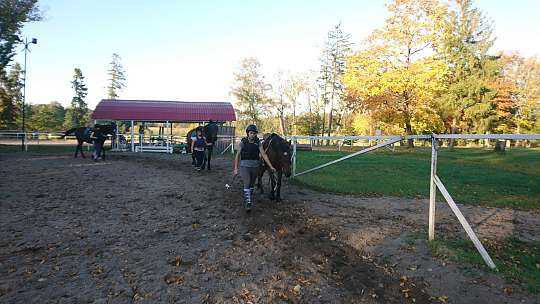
x=210 y=131
x=279 y=153
x=83 y=135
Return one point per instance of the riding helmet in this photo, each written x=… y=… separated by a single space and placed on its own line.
x=252 y=128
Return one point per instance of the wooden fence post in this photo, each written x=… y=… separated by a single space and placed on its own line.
x=465 y=224
x=294 y=157
x=432 y=189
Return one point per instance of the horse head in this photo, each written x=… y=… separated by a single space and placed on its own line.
x=281 y=153
x=210 y=131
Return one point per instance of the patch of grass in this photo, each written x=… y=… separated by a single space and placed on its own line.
x=472 y=176
x=516 y=260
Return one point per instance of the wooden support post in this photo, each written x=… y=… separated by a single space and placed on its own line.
x=141 y=137
x=465 y=224
x=167 y=124
x=294 y=157
x=117 y=141
x=432 y=189
x=132 y=137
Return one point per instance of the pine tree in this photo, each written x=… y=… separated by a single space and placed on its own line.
x=465 y=45
x=77 y=113
x=117 y=77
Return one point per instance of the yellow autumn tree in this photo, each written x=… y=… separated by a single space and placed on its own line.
x=396 y=77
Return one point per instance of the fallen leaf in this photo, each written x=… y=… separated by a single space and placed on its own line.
x=443 y=299
x=173 y=279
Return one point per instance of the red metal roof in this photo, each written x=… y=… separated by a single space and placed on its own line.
x=160 y=110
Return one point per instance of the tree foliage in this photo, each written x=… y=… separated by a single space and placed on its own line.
x=466 y=106
x=250 y=92
x=11 y=98
x=396 y=77
x=47 y=117
x=13 y=15
x=333 y=65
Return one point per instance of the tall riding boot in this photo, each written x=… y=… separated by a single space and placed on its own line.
x=251 y=192
x=247 y=199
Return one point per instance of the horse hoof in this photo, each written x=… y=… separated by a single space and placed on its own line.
x=278 y=199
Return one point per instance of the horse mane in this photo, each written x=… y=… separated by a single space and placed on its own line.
x=273 y=139
x=210 y=133
x=106 y=129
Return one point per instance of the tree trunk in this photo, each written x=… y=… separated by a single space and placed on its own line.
x=518 y=142
x=453 y=130
x=282 y=124
x=323 y=122
x=330 y=117
x=500 y=146
x=282 y=117
x=408 y=131
x=294 y=117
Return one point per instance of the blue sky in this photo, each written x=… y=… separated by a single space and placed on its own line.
x=188 y=50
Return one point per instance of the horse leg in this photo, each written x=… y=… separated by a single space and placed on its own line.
x=103 y=150
x=76 y=151
x=278 y=186
x=259 y=179
x=273 y=186
x=210 y=150
x=80 y=146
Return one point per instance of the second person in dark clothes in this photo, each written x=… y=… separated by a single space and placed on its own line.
x=98 y=138
x=197 y=148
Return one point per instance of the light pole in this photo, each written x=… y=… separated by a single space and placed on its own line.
x=26 y=50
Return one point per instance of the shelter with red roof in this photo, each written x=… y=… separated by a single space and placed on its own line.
x=161 y=112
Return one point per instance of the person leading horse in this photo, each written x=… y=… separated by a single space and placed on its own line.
x=91 y=135
x=210 y=132
x=248 y=161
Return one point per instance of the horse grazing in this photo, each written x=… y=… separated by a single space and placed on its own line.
x=279 y=153
x=83 y=135
x=210 y=131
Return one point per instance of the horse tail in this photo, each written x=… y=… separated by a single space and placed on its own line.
x=68 y=132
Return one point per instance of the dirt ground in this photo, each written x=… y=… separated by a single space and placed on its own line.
x=149 y=229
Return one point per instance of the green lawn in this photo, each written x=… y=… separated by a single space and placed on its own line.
x=472 y=176
x=517 y=261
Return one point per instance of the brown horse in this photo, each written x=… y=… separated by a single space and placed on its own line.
x=279 y=154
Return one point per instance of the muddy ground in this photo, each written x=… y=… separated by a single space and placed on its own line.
x=149 y=229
